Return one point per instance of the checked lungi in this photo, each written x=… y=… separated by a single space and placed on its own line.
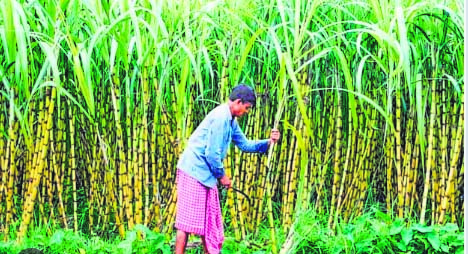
x=198 y=211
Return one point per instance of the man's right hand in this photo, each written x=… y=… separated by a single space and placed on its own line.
x=225 y=181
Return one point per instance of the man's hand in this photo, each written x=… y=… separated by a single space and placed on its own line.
x=274 y=136
x=225 y=181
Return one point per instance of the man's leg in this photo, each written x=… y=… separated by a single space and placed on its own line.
x=205 y=249
x=181 y=242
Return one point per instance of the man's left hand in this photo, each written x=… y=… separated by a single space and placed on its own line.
x=274 y=136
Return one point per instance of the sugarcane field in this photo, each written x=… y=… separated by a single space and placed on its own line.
x=357 y=123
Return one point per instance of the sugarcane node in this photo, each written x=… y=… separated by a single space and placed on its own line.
x=306 y=100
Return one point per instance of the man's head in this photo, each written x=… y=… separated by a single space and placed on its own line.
x=242 y=99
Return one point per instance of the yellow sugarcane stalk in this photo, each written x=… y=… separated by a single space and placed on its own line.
x=453 y=164
x=71 y=122
x=429 y=161
x=271 y=224
x=239 y=199
x=35 y=152
x=336 y=166
x=50 y=187
x=111 y=195
x=256 y=193
x=367 y=165
x=122 y=166
x=137 y=164
x=312 y=166
x=442 y=112
x=3 y=152
x=389 y=194
x=146 y=167
x=433 y=192
x=169 y=213
x=60 y=160
x=456 y=195
x=398 y=154
x=414 y=166
x=6 y=162
x=31 y=198
x=230 y=197
x=11 y=156
x=153 y=210
x=345 y=171
x=144 y=148
x=407 y=171
x=249 y=169
x=93 y=179
x=324 y=162
x=288 y=190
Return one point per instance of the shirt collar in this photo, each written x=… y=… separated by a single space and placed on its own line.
x=228 y=112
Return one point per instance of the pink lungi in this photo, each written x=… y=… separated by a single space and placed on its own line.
x=199 y=212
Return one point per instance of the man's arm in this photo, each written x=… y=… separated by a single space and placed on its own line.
x=261 y=146
x=214 y=143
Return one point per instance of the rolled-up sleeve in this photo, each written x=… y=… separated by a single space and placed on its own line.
x=249 y=146
x=214 y=148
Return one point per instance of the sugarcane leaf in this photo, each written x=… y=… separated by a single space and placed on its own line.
x=454 y=82
x=246 y=52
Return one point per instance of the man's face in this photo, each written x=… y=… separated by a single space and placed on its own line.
x=241 y=108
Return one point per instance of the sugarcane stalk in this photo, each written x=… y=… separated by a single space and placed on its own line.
x=453 y=165
x=239 y=199
x=36 y=177
x=429 y=161
x=346 y=164
x=122 y=167
x=230 y=197
x=398 y=154
x=407 y=158
x=11 y=158
x=336 y=166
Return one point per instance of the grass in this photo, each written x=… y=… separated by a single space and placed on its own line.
x=372 y=232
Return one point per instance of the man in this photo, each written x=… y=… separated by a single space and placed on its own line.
x=200 y=167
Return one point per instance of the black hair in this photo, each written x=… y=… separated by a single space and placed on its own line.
x=244 y=93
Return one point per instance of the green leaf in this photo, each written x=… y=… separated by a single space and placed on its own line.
x=460 y=250
x=449 y=227
x=401 y=246
x=383 y=216
x=407 y=235
x=433 y=238
x=445 y=248
x=396 y=227
x=126 y=245
x=57 y=237
x=422 y=228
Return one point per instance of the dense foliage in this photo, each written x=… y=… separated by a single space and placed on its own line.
x=97 y=99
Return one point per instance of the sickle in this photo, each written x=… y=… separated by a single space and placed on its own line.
x=241 y=192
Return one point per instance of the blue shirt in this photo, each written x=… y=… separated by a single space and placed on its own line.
x=207 y=147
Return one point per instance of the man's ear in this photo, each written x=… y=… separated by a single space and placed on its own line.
x=238 y=101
